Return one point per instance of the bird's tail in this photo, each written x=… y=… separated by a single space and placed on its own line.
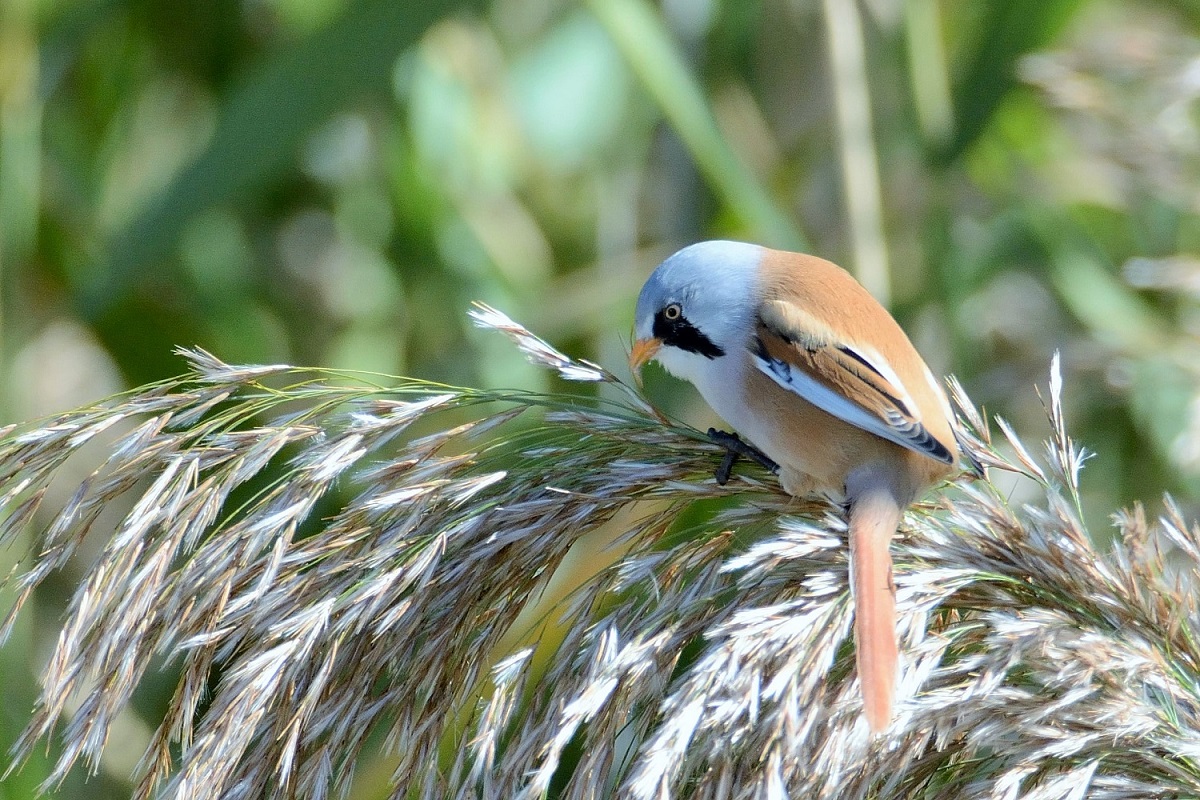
x=875 y=512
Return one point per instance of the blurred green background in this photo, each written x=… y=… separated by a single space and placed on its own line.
x=330 y=182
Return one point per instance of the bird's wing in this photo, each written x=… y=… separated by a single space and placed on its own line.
x=850 y=381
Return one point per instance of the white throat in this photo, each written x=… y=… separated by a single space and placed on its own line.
x=720 y=381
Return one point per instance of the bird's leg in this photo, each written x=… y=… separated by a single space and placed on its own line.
x=725 y=467
x=735 y=447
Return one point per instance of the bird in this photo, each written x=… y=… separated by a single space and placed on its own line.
x=798 y=357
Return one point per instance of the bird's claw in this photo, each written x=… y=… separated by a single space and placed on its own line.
x=735 y=447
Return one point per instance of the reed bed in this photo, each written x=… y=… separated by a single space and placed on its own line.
x=320 y=560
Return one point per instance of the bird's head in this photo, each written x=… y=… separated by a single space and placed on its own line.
x=697 y=306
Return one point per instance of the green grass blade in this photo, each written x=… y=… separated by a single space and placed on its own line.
x=654 y=58
x=1009 y=30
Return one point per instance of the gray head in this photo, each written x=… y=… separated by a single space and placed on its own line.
x=697 y=306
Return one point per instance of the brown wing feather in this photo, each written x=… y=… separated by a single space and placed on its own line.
x=789 y=336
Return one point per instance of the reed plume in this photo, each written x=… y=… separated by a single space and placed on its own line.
x=318 y=560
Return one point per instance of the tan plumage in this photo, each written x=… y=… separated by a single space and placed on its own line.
x=818 y=319
x=827 y=384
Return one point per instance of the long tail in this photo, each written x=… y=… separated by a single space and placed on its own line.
x=875 y=512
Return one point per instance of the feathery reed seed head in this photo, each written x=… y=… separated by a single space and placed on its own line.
x=710 y=661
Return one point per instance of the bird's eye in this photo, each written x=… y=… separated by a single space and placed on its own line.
x=673 y=311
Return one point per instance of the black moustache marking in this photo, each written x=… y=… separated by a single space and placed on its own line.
x=681 y=333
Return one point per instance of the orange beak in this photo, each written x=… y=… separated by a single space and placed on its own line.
x=643 y=351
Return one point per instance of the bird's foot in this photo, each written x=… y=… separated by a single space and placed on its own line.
x=735 y=447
